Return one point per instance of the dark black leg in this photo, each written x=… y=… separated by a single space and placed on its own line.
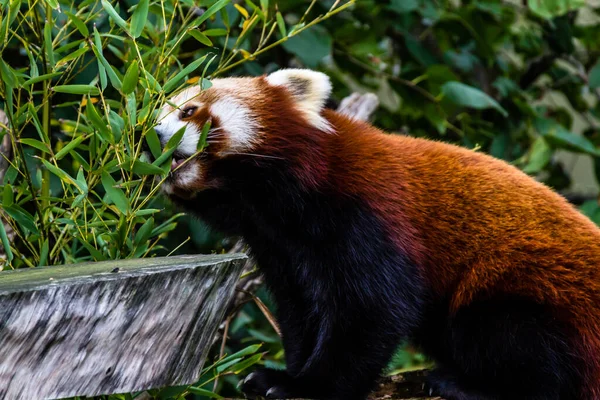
x=348 y=356
x=503 y=349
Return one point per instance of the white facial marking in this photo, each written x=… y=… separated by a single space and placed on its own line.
x=310 y=90
x=188 y=175
x=237 y=122
x=168 y=125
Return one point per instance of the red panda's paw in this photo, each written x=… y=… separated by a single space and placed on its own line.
x=268 y=383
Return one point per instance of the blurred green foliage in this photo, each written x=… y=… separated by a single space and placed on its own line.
x=82 y=80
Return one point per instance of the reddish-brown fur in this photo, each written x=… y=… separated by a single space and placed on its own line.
x=476 y=226
x=472 y=222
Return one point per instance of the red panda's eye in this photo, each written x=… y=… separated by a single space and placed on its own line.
x=188 y=111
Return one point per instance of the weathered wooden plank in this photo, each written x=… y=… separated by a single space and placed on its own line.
x=110 y=327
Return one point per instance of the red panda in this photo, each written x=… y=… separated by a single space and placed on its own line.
x=368 y=239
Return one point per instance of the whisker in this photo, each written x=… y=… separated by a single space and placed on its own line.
x=252 y=154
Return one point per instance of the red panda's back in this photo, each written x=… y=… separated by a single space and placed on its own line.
x=478 y=226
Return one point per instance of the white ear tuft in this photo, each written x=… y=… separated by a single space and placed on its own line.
x=310 y=90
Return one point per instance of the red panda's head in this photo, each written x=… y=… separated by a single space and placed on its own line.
x=248 y=117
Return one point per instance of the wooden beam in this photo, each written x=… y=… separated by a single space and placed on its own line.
x=110 y=327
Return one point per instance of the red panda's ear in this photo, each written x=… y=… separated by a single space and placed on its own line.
x=310 y=90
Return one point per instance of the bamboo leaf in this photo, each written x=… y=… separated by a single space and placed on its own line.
x=22 y=217
x=101 y=69
x=139 y=18
x=7 y=196
x=281 y=24
x=153 y=142
x=6 y=244
x=114 y=15
x=172 y=83
x=71 y=56
x=204 y=392
x=215 y=32
x=203 y=136
x=97 y=122
x=170 y=147
x=54 y=4
x=112 y=76
x=44 y=253
x=77 y=89
x=62 y=175
x=131 y=77
x=40 y=78
x=48 y=44
x=36 y=144
x=115 y=194
x=67 y=149
x=80 y=25
x=142 y=168
x=201 y=37
x=212 y=10
x=144 y=233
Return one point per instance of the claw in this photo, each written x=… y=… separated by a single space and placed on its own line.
x=248 y=378
x=271 y=391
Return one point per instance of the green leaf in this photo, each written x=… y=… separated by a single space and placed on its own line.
x=139 y=18
x=7 y=196
x=539 y=156
x=6 y=244
x=240 y=354
x=144 y=233
x=79 y=24
x=172 y=82
x=152 y=83
x=22 y=217
x=114 y=15
x=54 y=4
x=7 y=74
x=170 y=147
x=77 y=89
x=311 y=46
x=98 y=256
x=153 y=142
x=130 y=80
x=553 y=8
x=203 y=136
x=72 y=56
x=40 y=78
x=115 y=194
x=48 y=44
x=44 y=253
x=403 y=6
x=201 y=37
x=142 y=168
x=239 y=367
x=212 y=10
x=101 y=69
x=594 y=76
x=36 y=144
x=67 y=149
x=204 y=392
x=559 y=136
x=281 y=24
x=468 y=96
x=64 y=176
x=215 y=32
x=97 y=122
x=112 y=76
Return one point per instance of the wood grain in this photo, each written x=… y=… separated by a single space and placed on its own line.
x=110 y=327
